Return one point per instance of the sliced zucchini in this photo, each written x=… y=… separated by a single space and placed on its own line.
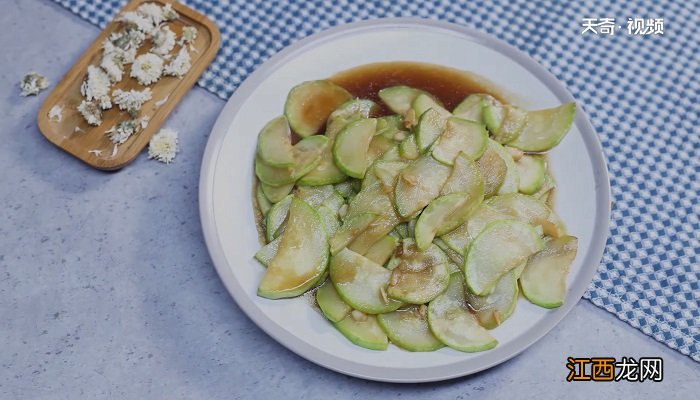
x=529 y=210
x=511 y=181
x=325 y=173
x=381 y=251
x=471 y=108
x=331 y=305
x=454 y=257
x=460 y=135
x=363 y=330
x=267 y=252
x=408 y=149
x=495 y=308
x=307 y=155
x=276 y=218
x=346 y=189
x=361 y=283
x=499 y=248
x=315 y=195
x=376 y=230
x=391 y=127
x=351 y=145
x=452 y=322
x=548 y=186
x=387 y=171
x=371 y=199
x=493 y=171
x=518 y=271
x=430 y=126
x=334 y=201
x=465 y=178
x=399 y=98
x=263 y=202
x=459 y=238
x=348 y=112
x=350 y=230
x=276 y=193
x=443 y=215
x=310 y=103
x=378 y=146
x=424 y=102
x=531 y=170
x=330 y=220
x=417 y=276
x=275 y=143
x=483 y=216
x=402 y=230
x=545 y=128
x=504 y=121
x=408 y=328
x=412 y=227
x=302 y=256
x=544 y=278
x=418 y=184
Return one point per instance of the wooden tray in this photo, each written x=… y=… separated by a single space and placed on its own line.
x=90 y=143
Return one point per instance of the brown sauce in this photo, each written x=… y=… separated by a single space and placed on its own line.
x=448 y=85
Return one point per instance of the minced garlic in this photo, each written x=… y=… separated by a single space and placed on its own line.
x=179 y=65
x=147 y=68
x=91 y=112
x=56 y=113
x=96 y=87
x=33 y=83
x=131 y=100
x=163 y=146
x=163 y=40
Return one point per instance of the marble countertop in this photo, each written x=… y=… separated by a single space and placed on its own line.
x=107 y=289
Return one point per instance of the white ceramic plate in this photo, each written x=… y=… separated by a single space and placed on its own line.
x=583 y=199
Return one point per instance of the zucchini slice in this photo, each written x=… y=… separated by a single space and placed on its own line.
x=381 y=251
x=408 y=148
x=471 y=108
x=263 y=202
x=309 y=105
x=499 y=248
x=378 y=145
x=325 y=173
x=387 y=171
x=267 y=252
x=504 y=121
x=334 y=201
x=391 y=127
x=331 y=305
x=452 y=322
x=348 y=112
x=417 y=276
x=372 y=199
x=493 y=171
x=430 y=126
x=276 y=193
x=544 y=278
x=315 y=195
x=460 y=135
x=529 y=210
x=376 y=230
x=351 y=229
x=531 y=170
x=465 y=178
x=399 y=98
x=329 y=219
x=418 y=184
x=346 y=189
x=511 y=181
x=361 y=283
x=443 y=215
x=495 y=308
x=408 y=328
x=351 y=145
x=458 y=239
x=302 y=256
x=276 y=218
x=275 y=143
x=307 y=155
x=545 y=128
x=424 y=102
x=363 y=330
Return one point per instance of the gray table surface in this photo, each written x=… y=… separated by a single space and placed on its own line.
x=107 y=289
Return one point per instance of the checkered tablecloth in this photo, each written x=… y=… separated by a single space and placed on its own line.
x=640 y=91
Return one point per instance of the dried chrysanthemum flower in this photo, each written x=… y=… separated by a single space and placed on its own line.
x=33 y=83
x=168 y=13
x=147 y=68
x=163 y=146
x=56 y=113
x=179 y=65
x=152 y=11
x=122 y=131
x=91 y=112
x=135 y=20
x=163 y=40
x=131 y=100
x=189 y=34
x=96 y=87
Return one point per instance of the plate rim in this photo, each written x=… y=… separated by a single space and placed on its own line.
x=311 y=353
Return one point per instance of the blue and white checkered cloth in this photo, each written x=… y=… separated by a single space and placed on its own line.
x=641 y=93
